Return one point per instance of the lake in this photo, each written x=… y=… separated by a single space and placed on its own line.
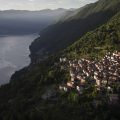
x=14 y=54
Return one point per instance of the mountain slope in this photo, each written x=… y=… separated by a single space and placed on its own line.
x=98 y=42
x=21 y=99
x=64 y=33
x=27 y=22
x=87 y=10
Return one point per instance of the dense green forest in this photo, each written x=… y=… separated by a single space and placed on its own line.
x=23 y=97
x=96 y=43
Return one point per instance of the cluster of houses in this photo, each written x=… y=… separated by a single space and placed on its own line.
x=102 y=73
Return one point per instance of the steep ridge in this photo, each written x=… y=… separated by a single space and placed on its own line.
x=21 y=99
x=64 y=33
x=96 y=43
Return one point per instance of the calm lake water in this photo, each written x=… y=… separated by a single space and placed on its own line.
x=14 y=54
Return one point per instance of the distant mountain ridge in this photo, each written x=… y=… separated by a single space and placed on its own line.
x=27 y=22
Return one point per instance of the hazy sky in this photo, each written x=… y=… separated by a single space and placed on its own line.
x=42 y=4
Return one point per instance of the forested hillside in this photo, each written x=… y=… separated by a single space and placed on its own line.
x=70 y=29
x=33 y=92
x=24 y=97
x=96 y=43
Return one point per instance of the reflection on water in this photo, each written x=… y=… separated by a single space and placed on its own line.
x=14 y=51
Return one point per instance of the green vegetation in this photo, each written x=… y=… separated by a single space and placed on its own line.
x=22 y=98
x=96 y=43
x=66 y=32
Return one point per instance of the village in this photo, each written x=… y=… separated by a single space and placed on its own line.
x=103 y=74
